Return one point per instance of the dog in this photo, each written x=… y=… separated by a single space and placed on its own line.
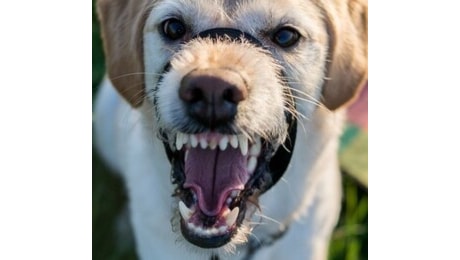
x=223 y=117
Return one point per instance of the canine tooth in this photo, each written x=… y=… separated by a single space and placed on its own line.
x=255 y=148
x=234 y=141
x=184 y=138
x=252 y=163
x=203 y=143
x=223 y=143
x=234 y=193
x=243 y=141
x=179 y=141
x=184 y=211
x=193 y=141
x=231 y=217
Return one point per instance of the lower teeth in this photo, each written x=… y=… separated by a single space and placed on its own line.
x=230 y=219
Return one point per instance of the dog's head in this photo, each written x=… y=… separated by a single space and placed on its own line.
x=228 y=81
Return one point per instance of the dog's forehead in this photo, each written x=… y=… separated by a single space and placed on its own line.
x=200 y=14
x=230 y=6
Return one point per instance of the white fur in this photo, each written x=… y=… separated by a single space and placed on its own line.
x=307 y=198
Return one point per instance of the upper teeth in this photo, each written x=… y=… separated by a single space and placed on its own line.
x=205 y=141
x=243 y=141
x=234 y=141
x=193 y=141
x=179 y=141
x=223 y=143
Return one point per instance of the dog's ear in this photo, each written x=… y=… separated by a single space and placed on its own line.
x=347 y=62
x=122 y=24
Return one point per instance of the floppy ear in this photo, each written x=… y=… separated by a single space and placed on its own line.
x=122 y=24
x=347 y=68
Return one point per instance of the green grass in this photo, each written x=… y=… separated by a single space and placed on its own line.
x=109 y=199
x=349 y=240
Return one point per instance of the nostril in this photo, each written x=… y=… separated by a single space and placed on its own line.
x=234 y=94
x=196 y=94
x=227 y=95
x=190 y=93
x=212 y=96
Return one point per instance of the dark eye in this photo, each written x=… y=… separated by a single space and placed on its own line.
x=173 y=28
x=286 y=37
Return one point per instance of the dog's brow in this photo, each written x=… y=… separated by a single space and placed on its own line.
x=232 y=34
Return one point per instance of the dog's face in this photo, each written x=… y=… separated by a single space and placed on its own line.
x=228 y=81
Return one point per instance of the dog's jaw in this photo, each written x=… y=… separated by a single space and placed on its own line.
x=216 y=169
x=217 y=178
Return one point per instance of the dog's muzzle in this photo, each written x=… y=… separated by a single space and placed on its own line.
x=219 y=172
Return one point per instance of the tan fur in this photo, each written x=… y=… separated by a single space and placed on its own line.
x=202 y=54
x=122 y=23
x=347 y=71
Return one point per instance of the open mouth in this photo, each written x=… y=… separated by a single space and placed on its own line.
x=217 y=175
x=217 y=169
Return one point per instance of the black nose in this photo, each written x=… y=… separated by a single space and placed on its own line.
x=212 y=95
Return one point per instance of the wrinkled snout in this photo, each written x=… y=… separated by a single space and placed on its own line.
x=211 y=96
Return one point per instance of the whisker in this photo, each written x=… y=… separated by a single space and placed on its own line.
x=255 y=237
x=308 y=97
x=134 y=74
x=296 y=114
x=268 y=218
x=291 y=108
x=256 y=223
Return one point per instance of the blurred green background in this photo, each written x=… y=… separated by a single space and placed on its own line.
x=349 y=240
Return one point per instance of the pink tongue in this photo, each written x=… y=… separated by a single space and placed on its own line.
x=213 y=174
